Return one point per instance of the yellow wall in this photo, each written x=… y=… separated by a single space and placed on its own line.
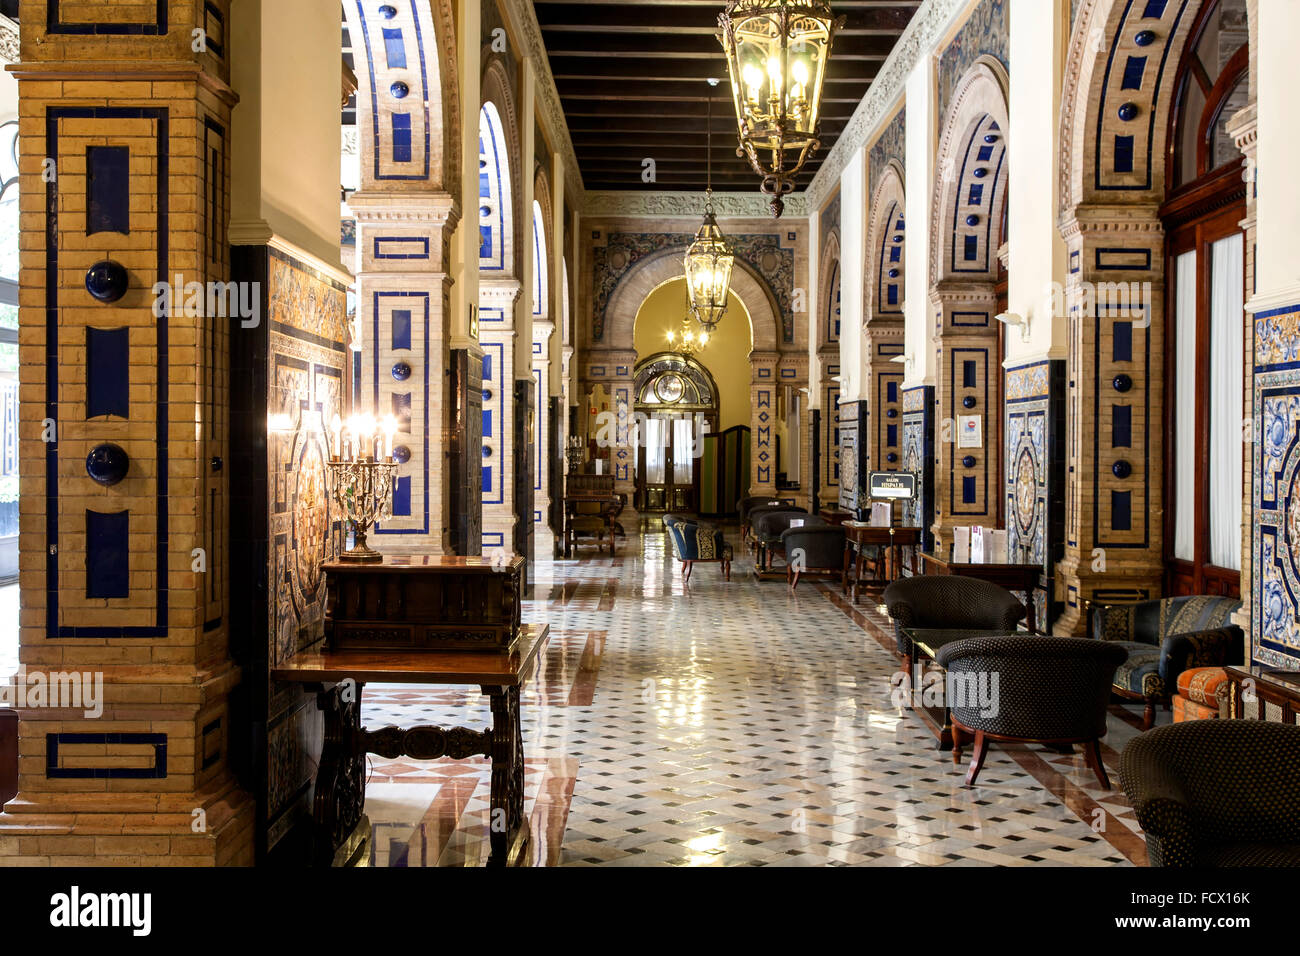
x=726 y=356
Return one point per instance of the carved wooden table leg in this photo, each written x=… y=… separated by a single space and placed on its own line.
x=506 y=825
x=341 y=777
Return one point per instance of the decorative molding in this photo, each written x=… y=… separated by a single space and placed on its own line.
x=8 y=40
x=523 y=21
x=922 y=35
x=668 y=205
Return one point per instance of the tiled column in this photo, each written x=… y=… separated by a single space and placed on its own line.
x=966 y=484
x=792 y=373
x=125 y=581
x=403 y=303
x=918 y=458
x=1114 y=527
x=829 y=440
x=542 y=332
x=762 y=403
x=882 y=340
x=497 y=336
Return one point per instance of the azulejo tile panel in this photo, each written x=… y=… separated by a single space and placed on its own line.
x=1275 y=496
x=918 y=457
x=986 y=31
x=891 y=144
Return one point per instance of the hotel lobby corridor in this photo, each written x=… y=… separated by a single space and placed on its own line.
x=729 y=724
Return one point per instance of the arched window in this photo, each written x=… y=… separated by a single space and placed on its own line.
x=1204 y=314
x=540 y=259
x=833 y=306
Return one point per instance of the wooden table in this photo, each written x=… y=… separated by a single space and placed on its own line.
x=609 y=507
x=1014 y=577
x=858 y=537
x=835 y=515
x=1268 y=685
x=338 y=678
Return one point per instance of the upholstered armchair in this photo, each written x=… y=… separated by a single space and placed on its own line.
x=751 y=507
x=949 y=601
x=768 y=526
x=1217 y=792
x=812 y=549
x=694 y=542
x=1163 y=639
x=1029 y=688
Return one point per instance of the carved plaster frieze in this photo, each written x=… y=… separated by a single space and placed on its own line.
x=665 y=205
x=431 y=207
x=8 y=40
x=922 y=35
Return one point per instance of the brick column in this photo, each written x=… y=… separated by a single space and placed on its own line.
x=1114 y=516
x=125 y=581
x=496 y=299
x=542 y=332
x=882 y=340
x=403 y=305
x=762 y=412
x=966 y=481
x=829 y=425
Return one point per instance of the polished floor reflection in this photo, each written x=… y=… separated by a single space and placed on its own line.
x=730 y=724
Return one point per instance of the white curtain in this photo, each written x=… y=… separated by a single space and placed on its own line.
x=683 y=455
x=1227 y=279
x=656 y=446
x=1185 y=407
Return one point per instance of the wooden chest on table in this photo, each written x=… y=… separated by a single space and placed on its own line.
x=424 y=603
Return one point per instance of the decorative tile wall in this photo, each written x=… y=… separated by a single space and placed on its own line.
x=1275 y=495
x=918 y=458
x=853 y=451
x=1035 y=478
x=987 y=31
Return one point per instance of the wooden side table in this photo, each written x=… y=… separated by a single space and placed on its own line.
x=1264 y=686
x=339 y=677
x=858 y=537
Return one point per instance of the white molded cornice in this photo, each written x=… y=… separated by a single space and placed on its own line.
x=668 y=205
x=435 y=207
x=928 y=26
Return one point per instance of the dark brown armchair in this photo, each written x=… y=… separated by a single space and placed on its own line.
x=1217 y=792
x=949 y=601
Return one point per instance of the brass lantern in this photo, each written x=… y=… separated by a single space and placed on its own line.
x=708 y=270
x=777 y=52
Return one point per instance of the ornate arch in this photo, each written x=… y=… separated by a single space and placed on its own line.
x=651 y=272
x=1116 y=99
x=499 y=158
x=406 y=67
x=970 y=185
x=828 y=288
x=886 y=248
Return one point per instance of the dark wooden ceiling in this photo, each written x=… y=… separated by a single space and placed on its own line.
x=632 y=76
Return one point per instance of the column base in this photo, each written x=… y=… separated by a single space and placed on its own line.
x=117 y=828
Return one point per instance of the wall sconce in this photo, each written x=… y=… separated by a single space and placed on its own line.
x=1013 y=320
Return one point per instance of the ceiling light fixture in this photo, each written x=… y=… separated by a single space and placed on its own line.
x=777 y=51
x=709 y=259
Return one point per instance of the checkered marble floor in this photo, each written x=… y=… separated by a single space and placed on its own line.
x=722 y=724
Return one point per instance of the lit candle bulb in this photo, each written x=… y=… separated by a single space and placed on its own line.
x=390 y=430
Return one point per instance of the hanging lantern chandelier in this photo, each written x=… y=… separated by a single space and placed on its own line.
x=685 y=341
x=777 y=51
x=709 y=258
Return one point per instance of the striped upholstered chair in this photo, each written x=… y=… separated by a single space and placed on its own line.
x=1164 y=638
x=694 y=542
x=1217 y=792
